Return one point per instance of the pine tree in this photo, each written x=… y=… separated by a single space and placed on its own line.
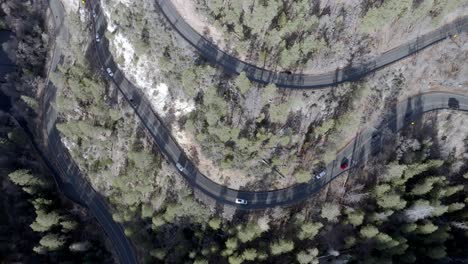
x=281 y=246
x=158 y=253
x=249 y=232
x=25 y=179
x=215 y=223
x=45 y=221
x=331 y=212
x=356 y=218
x=455 y=207
x=391 y=201
x=243 y=83
x=269 y=93
x=200 y=261
x=437 y=252
x=308 y=257
x=302 y=176
x=235 y=259
x=369 y=231
x=249 y=254
x=68 y=225
x=425 y=185
x=309 y=230
x=231 y=245
x=426 y=228
x=52 y=242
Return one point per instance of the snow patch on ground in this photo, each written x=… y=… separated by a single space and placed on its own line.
x=70 y=145
x=452 y=130
x=125 y=48
x=142 y=71
x=111 y=27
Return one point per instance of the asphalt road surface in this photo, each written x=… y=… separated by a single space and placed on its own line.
x=235 y=66
x=369 y=141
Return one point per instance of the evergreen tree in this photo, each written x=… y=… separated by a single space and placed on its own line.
x=243 y=83
x=281 y=246
x=249 y=254
x=308 y=256
x=52 y=242
x=369 y=231
x=309 y=230
x=25 y=179
x=331 y=212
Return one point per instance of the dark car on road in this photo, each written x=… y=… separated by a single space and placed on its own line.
x=344 y=163
x=453 y=103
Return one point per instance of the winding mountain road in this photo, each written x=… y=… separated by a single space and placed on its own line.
x=233 y=65
x=369 y=141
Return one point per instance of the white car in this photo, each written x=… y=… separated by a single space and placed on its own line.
x=97 y=37
x=179 y=167
x=241 y=201
x=111 y=74
x=94 y=14
x=321 y=174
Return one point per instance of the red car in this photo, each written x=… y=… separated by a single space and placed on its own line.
x=344 y=163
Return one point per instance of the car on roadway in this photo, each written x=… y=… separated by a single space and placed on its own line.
x=109 y=71
x=97 y=37
x=344 y=163
x=180 y=167
x=453 y=103
x=241 y=201
x=94 y=14
x=318 y=176
x=408 y=116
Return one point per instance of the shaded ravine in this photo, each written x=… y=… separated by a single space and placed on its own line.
x=234 y=65
x=357 y=151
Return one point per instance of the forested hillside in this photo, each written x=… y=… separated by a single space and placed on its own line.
x=37 y=223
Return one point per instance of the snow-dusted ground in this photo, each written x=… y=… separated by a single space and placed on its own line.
x=144 y=72
x=452 y=130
